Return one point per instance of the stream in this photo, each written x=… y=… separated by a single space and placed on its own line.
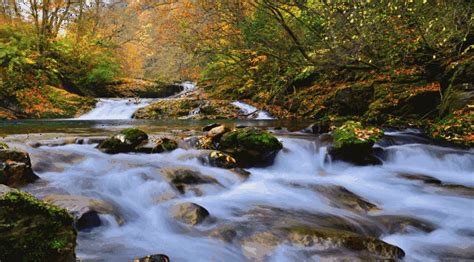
x=417 y=181
x=134 y=185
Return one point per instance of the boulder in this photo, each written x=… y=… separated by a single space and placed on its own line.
x=127 y=140
x=250 y=146
x=394 y=224
x=190 y=213
x=226 y=233
x=165 y=145
x=85 y=210
x=32 y=230
x=15 y=168
x=153 y=258
x=354 y=143
x=260 y=245
x=184 y=179
x=327 y=239
x=197 y=142
x=216 y=133
x=342 y=198
x=222 y=160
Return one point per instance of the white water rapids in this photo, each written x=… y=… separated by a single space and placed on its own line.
x=115 y=108
x=123 y=108
x=133 y=183
x=249 y=109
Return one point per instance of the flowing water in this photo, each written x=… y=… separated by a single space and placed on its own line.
x=115 y=108
x=432 y=184
x=252 y=111
x=134 y=184
x=123 y=108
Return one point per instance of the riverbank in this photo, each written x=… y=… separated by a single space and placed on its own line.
x=436 y=97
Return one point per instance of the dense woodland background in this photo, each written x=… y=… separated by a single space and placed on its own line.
x=398 y=62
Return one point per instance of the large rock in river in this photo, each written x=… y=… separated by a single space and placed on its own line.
x=85 y=210
x=354 y=143
x=250 y=146
x=190 y=213
x=185 y=179
x=32 y=230
x=15 y=168
x=127 y=140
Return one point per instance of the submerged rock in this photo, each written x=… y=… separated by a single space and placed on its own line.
x=15 y=168
x=153 y=258
x=250 y=146
x=184 y=179
x=326 y=239
x=32 y=230
x=321 y=241
x=226 y=233
x=85 y=210
x=127 y=140
x=190 y=213
x=353 y=143
x=343 y=198
x=444 y=188
x=401 y=224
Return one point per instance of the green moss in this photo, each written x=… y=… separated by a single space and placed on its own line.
x=134 y=135
x=126 y=140
x=250 y=138
x=250 y=146
x=455 y=128
x=354 y=133
x=3 y=146
x=165 y=145
x=33 y=230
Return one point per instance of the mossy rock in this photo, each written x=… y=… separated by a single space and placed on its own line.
x=128 y=140
x=455 y=128
x=3 y=146
x=353 y=143
x=32 y=230
x=250 y=146
x=165 y=145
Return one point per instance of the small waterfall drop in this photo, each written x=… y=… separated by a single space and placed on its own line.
x=252 y=111
x=115 y=108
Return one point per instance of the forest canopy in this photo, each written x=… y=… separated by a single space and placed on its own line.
x=292 y=55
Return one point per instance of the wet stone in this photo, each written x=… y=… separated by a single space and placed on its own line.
x=190 y=213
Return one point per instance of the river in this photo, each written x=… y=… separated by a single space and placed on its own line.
x=288 y=192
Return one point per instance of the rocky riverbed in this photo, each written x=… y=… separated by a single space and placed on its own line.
x=243 y=194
